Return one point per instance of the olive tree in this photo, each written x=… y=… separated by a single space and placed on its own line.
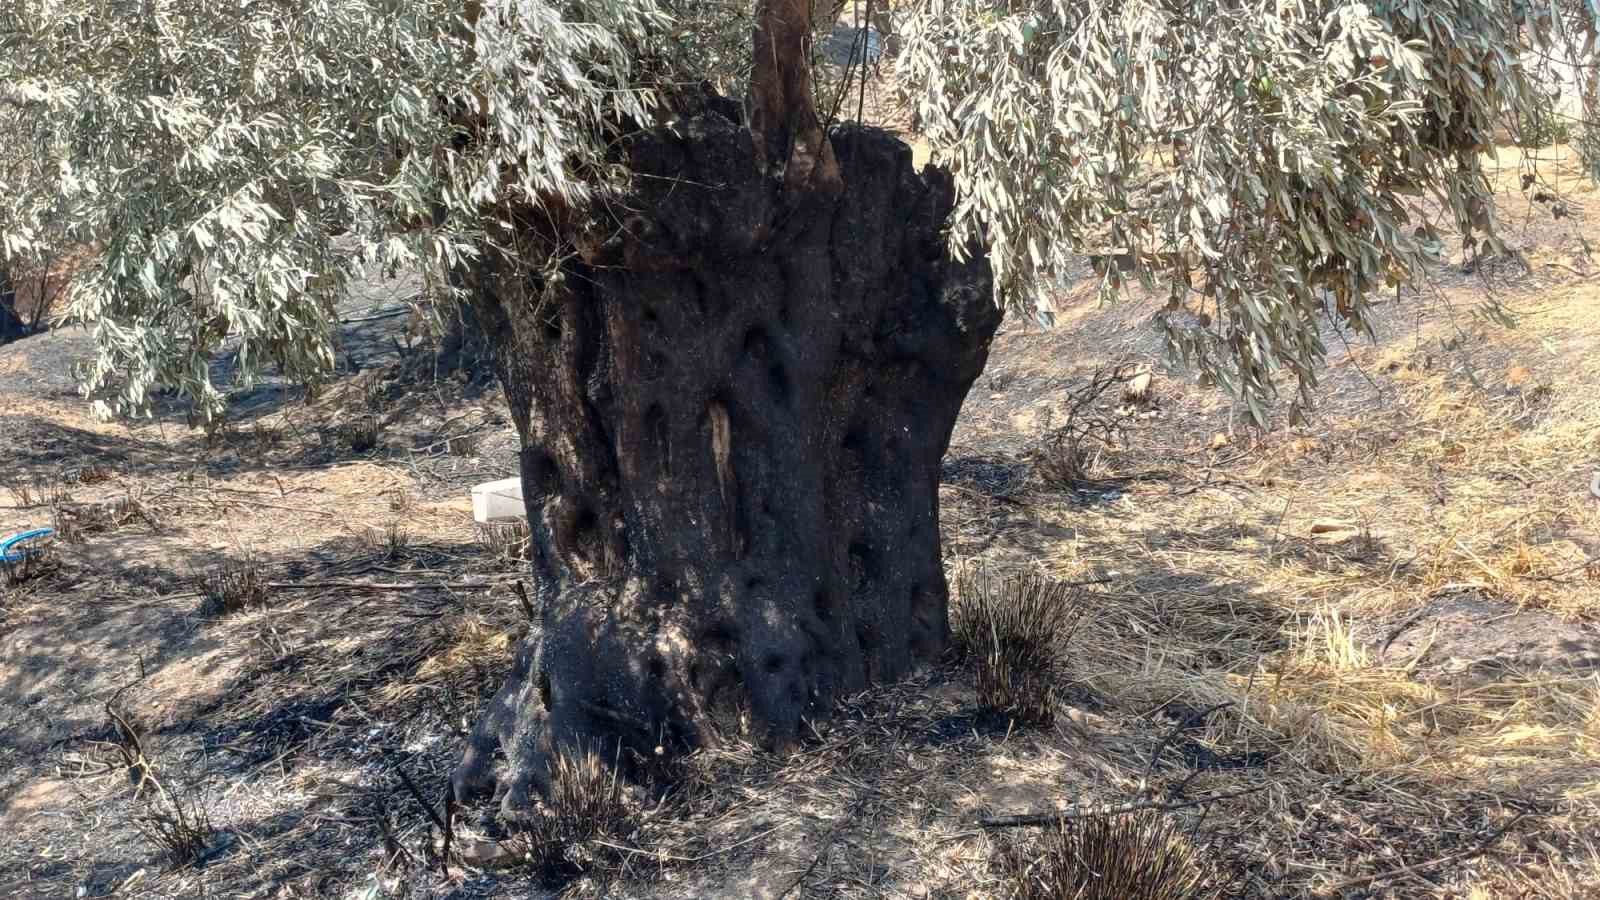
x=735 y=335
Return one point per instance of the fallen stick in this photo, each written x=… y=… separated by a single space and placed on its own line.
x=237 y=501
x=383 y=585
x=1482 y=848
x=373 y=318
x=1029 y=820
x=844 y=822
x=411 y=787
x=1184 y=724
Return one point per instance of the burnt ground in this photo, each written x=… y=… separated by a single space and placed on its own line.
x=1385 y=622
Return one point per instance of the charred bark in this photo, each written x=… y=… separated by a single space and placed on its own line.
x=732 y=415
x=11 y=325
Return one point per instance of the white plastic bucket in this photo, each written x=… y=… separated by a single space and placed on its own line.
x=498 y=500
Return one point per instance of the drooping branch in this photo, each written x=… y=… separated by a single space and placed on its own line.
x=783 y=113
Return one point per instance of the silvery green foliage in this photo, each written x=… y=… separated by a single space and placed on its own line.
x=1256 y=155
x=212 y=151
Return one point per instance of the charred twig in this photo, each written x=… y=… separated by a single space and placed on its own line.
x=311 y=585
x=1478 y=850
x=1029 y=820
x=527 y=605
x=1067 y=457
x=823 y=847
x=1184 y=724
x=131 y=749
x=411 y=786
x=449 y=823
x=1561 y=576
x=283 y=507
x=1400 y=628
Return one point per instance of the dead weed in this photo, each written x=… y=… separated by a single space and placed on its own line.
x=1133 y=857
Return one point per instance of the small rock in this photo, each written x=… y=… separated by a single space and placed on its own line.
x=1085 y=718
x=486 y=854
x=1219 y=440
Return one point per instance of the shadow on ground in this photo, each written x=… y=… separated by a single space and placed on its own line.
x=252 y=713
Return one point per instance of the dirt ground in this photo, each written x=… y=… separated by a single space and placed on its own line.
x=1383 y=622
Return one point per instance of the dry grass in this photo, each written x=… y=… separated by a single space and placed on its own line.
x=1258 y=577
x=1074 y=455
x=36 y=492
x=1016 y=631
x=35 y=564
x=233 y=586
x=460 y=655
x=574 y=830
x=389 y=543
x=506 y=539
x=177 y=827
x=360 y=433
x=1135 y=857
x=74 y=522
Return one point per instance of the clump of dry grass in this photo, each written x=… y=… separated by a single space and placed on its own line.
x=1015 y=629
x=74 y=522
x=587 y=802
x=22 y=496
x=179 y=828
x=396 y=541
x=235 y=585
x=265 y=437
x=361 y=434
x=36 y=492
x=177 y=825
x=92 y=473
x=34 y=564
x=390 y=542
x=373 y=391
x=1134 y=857
x=467 y=652
x=507 y=539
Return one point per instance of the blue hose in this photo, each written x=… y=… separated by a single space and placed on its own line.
x=11 y=549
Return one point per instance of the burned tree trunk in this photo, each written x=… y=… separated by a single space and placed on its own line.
x=732 y=410
x=11 y=326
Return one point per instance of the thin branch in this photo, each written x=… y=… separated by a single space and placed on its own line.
x=411 y=786
x=312 y=585
x=1184 y=724
x=1030 y=820
x=1478 y=850
x=449 y=822
x=527 y=605
x=826 y=843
